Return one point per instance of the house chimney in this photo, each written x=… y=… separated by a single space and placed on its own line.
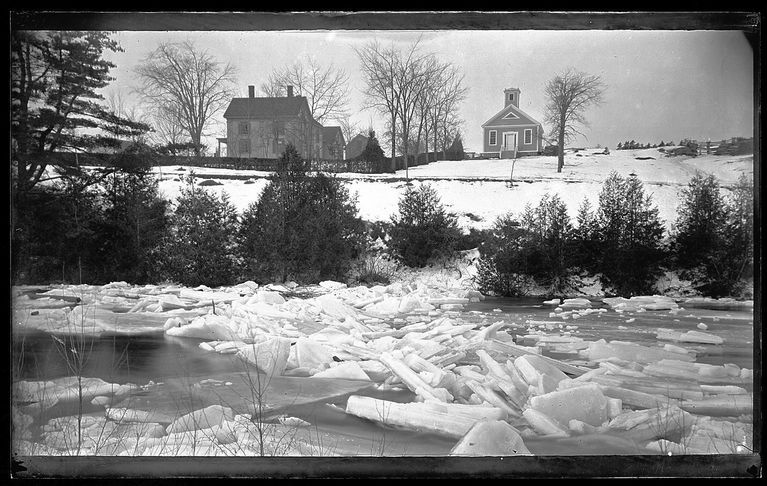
x=251 y=91
x=511 y=97
x=290 y=91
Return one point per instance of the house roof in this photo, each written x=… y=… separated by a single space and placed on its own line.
x=265 y=107
x=499 y=119
x=329 y=133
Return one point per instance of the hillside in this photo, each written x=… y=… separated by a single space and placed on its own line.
x=479 y=190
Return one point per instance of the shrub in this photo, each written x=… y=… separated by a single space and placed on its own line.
x=422 y=229
x=131 y=228
x=585 y=239
x=503 y=263
x=199 y=248
x=303 y=227
x=629 y=235
x=730 y=255
x=374 y=154
x=548 y=242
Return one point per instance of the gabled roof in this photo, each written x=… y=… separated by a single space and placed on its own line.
x=499 y=119
x=266 y=107
x=329 y=133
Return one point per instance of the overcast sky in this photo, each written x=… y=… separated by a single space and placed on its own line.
x=661 y=85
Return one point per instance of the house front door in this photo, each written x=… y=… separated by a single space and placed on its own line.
x=510 y=141
x=509 y=146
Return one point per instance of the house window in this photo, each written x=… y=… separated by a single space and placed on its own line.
x=244 y=147
x=244 y=128
x=493 y=137
x=528 y=136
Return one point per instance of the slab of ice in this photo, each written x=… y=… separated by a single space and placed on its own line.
x=201 y=419
x=638 y=303
x=445 y=419
x=311 y=354
x=689 y=337
x=543 y=424
x=584 y=403
x=348 y=370
x=209 y=327
x=630 y=352
x=270 y=356
x=576 y=303
x=332 y=285
x=539 y=373
x=490 y=438
x=658 y=423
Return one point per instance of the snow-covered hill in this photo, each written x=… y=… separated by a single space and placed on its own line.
x=479 y=190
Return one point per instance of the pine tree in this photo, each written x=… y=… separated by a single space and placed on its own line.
x=303 y=227
x=630 y=234
x=55 y=83
x=200 y=247
x=422 y=229
x=374 y=154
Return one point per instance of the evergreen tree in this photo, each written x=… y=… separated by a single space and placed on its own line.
x=303 y=227
x=423 y=228
x=55 y=83
x=630 y=234
x=700 y=225
x=133 y=223
x=374 y=154
x=504 y=257
x=549 y=241
x=620 y=146
x=586 y=251
x=199 y=249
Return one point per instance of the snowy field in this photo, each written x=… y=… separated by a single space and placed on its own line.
x=478 y=191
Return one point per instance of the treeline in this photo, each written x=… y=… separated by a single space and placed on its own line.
x=115 y=225
x=99 y=227
x=622 y=241
x=632 y=145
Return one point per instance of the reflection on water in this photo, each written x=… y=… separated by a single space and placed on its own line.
x=118 y=359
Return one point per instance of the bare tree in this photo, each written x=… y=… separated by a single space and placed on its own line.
x=443 y=107
x=168 y=129
x=350 y=128
x=569 y=94
x=378 y=67
x=188 y=82
x=120 y=104
x=325 y=88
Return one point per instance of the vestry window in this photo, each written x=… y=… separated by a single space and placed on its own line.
x=493 y=137
x=528 y=136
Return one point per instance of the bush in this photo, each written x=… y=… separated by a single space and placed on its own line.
x=503 y=263
x=131 y=228
x=422 y=229
x=714 y=242
x=629 y=236
x=199 y=248
x=303 y=227
x=548 y=242
x=586 y=251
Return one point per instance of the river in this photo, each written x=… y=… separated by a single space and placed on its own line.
x=177 y=366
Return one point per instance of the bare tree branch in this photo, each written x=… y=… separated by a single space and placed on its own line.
x=325 y=88
x=187 y=83
x=569 y=95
